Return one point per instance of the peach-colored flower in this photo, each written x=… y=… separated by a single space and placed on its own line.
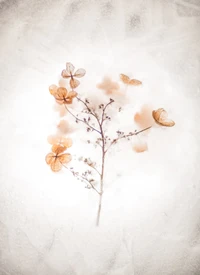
x=144 y=117
x=69 y=73
x=109 y=86
x=161 y=117
x=56 y=159
x=61 y=95
x=63 y=126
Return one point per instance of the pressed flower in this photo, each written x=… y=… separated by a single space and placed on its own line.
x=161 y=117
x=126 y=80
x=56 y=158
x=61 y=95
x=69 y=73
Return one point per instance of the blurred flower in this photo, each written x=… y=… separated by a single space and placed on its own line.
x=69 y=73
x=56 y=159
x=109 y=86
x=161 y=117
x=64 y=126
x=140 y=146
x=59 y=140
x=144 y=117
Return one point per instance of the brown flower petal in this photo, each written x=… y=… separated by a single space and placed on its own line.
x=161 y=117
x=53 y=89
x=80 y=73
x=64 y=158
x=70 y=68
x=74 y=83
x=50 y=158
x=56 y=165
x=126 y=80
x=58 y=149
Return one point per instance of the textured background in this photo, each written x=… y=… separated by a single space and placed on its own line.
x=150 y=220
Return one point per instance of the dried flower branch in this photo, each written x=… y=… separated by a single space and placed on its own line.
x=94 y=120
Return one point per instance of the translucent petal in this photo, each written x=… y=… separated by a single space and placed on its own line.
x=64 y=158
x=58 y=149
x=52 y=89
x=70 y=68
x=56 y=166
x=124 y=78
x=80 y=73
x=65 y=74
x=50 y=158
x=74 y=83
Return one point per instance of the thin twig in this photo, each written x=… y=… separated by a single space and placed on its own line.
x=103 y=113
x=126 y=136
x=77 y=118
x=82 y=177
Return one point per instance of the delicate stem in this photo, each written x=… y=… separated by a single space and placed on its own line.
x=126 y=136
x=77 y=118
x=82 y=177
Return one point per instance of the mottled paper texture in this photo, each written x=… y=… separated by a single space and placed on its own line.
x=150 y=218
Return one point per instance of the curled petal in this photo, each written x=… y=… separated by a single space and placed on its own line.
x=58 y=149
x=80 y=73
x=50 y=158
x=64 y=158
x=161 y=117
x=74 y=83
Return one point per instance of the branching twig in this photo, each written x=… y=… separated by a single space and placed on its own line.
x=82 y=177
x=126 y=136
x=78 y=119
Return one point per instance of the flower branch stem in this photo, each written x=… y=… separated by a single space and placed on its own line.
x=85 y=122
x=83 y=178
x=126 y=136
